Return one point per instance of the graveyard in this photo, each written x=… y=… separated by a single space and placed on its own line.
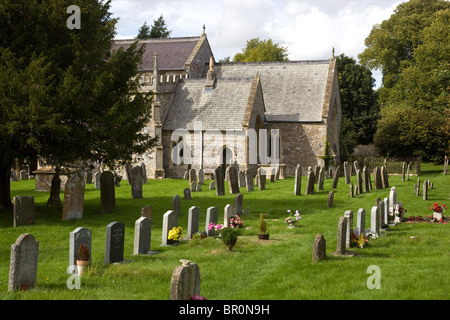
x=412 y=257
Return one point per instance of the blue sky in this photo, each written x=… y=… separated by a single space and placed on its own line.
x=308 y=28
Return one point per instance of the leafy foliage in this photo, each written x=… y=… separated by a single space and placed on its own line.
x=261 y=50
x=229 y=237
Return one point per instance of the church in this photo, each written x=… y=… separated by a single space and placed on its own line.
x=246 y=114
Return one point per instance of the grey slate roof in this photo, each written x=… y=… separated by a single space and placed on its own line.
x=172 y=52
x=222 y=108
x=293 y=91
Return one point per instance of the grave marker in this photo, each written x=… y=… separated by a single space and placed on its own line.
x=298 y=180
x=227 y=214
x=233 y=183
x=73 y=197
x=185 y=281
x=23 y=263
x=319 y=248
x=193 y=221
x=220 y=183
x=107 y=192
x=76 y=238
x=115 y=238
x=23 y=210
x=142 y=235
x=212 y=216
x=170 y=221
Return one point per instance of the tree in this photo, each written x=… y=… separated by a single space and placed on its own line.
x=64 y=96
x=144 y=31
x=159 y=29
x=359 y=103
x=261 y=50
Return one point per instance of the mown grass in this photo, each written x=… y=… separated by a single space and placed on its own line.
x=277 y=269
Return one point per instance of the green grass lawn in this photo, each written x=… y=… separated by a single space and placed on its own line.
x=413 y=258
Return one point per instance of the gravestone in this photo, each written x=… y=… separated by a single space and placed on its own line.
x=212 y=216
x=136 y=182
x=220 y=183
x=128 y=168
x=193 y=186
x=89 y=176
x=96 y=178
x=375 y=219
x=359 y=182
x=242 y=181
x=320 y=179
x=170 y=221
x=76 y=238
x=73 y=197
x=407 y=172
x=23 y=175
x=425 y=190
x=277 y=172
x=186 y=175
x=147 y=212
x=193 y=221
x=54 y=199
x=107 y=192
x=341 y=239
x=142 y=235
x=233 y=183
x=392 y=199
x=403 y=171
x=176 y=204
x=212 y=185
x=144 y=173
x=336 y=177
x=330 y=199
x=199 y=186
x=227 y=214
x=366 y=176
x=185 y=281
x=349 y=216
x=386 y=211
x=319 y=248
x=309 y=182
x=23 y=211
x=201 y=176
x=351 y=190
x=361 y=220
x=187 y=194
x=384 y=177
x=192 y=177
x=346 y=172
x=115 y=238
x=23 y=263
x=239 y=203
x=249 y=181
x=261 y=179
x=356 y=166
x=378 y=183
x=298 y=180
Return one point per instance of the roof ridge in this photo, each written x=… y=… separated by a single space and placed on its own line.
x=149 y=40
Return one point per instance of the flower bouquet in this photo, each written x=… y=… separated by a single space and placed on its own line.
x=175 y=233
x=438 y=211
x=235 y=222
x=358 y=239
x=216 y=228
x=292 y=219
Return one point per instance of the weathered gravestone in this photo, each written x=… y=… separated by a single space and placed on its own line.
x=320 y=179
x=142 y=235
x=309 y=182
x=136 y=182
x=107 y=192
x=298 y=180
x=176 y=204
x=115 y=239
x=89 y=176
x=384 y=177
x=392 y=199
x=359 y=182
x=170 y=221
x=146 y=211
x=241 y=176
x=96 y=178
x=185 y=282
x=186 y=175
x=187 y=194
x=212 y=185
x=341 y=239
x=23 y=263
x=319 y=248
x=76 y=238
x=23 y=211
x=425 y=190
x=193 y=221
x=403 y=171
x=55 y=189
x=233 y=181
x=347 y=172
x=261 y=177
x=248 y=180
x=144 y=173
x=336 y=177
x=73 y=197
x=351 y=190
x=201 y=176
x=23 y=175
x=239 y=204
x=192 y=177
x=330 y=199
x=212 y=216
x=220 y=183
x=361 y=220
x=378 y=183
x=366 y=176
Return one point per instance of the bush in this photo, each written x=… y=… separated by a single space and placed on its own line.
x=229 y=237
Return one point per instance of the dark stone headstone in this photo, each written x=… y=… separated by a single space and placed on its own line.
x=107 y=192
x=23 y=211
x=115 y=238
x=319 y=248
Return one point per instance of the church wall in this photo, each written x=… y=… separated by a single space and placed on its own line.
x=300 y=144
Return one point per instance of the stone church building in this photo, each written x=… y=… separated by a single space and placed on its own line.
x=207 y=113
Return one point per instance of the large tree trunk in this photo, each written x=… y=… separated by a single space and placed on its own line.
x=5 y=188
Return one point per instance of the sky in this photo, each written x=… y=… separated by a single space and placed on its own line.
x=310 y=29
